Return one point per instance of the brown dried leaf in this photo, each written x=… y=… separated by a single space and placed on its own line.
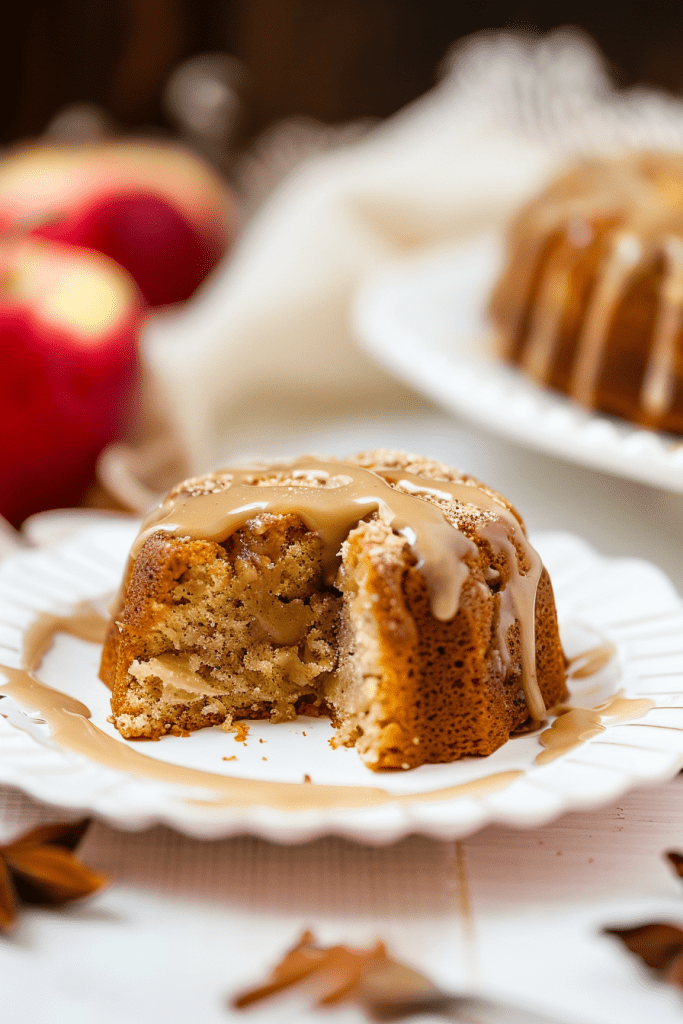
x=656 y=943
x=54 y=874
x=338 y=969
x=67 y=835
x=302 y=960
x=40 y=867
x=348 y=967
x=676 y=861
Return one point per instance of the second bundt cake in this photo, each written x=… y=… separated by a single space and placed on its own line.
x=590 y=300
x=392 y=593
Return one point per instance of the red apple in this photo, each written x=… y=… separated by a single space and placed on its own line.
x=155 y=208
x=69 y=321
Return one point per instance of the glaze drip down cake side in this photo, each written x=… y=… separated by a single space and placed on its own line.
x=392 y=593
x=590 y=300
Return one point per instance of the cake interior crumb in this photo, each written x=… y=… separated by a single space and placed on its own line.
x=252 y=630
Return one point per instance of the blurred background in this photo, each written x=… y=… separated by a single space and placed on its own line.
x=150 y=132
x=335 y=60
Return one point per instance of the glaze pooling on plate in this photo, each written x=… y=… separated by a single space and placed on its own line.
x=575 y=725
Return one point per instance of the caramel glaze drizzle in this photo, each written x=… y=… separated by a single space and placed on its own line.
x=573 y=726
x=84 y=622
x=590 y=662
x=625 y=192
x=441 y=549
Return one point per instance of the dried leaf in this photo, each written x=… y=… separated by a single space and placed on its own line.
x=55 y=873
x=302 y=960
x=67 y=835
x=676 y=861
x=40 y=867
x=656 y=943
x=339 y=970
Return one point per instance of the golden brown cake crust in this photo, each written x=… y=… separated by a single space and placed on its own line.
x=440 y=695
x=439 y=691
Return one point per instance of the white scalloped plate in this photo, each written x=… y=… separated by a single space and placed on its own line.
x=426 y=321
x=626 y=602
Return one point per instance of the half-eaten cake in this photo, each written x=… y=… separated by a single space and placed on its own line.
x=392 y=593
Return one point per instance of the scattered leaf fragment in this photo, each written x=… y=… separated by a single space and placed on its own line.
x=41 y=867
x=339 y=969
x=659 y=945
x=676 y=861
x=385 y=988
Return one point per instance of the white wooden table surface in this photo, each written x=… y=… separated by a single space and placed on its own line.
x=518 y=913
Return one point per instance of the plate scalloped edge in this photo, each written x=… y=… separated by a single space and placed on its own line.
x=630 y=602
x=402 y=317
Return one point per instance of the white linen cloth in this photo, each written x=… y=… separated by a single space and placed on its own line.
x=267 y=343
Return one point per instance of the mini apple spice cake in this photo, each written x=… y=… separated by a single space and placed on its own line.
x=392 y=593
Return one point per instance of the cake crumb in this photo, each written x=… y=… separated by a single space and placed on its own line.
x=261 y=740
x=264 y=758
x=303 y=732
x=307 y=778
x=232 y=758
x=333 y=742
x=241 y=730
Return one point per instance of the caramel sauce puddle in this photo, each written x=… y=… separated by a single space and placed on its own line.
x=573 y=726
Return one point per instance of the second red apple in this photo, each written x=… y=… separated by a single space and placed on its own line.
x=155 y=208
